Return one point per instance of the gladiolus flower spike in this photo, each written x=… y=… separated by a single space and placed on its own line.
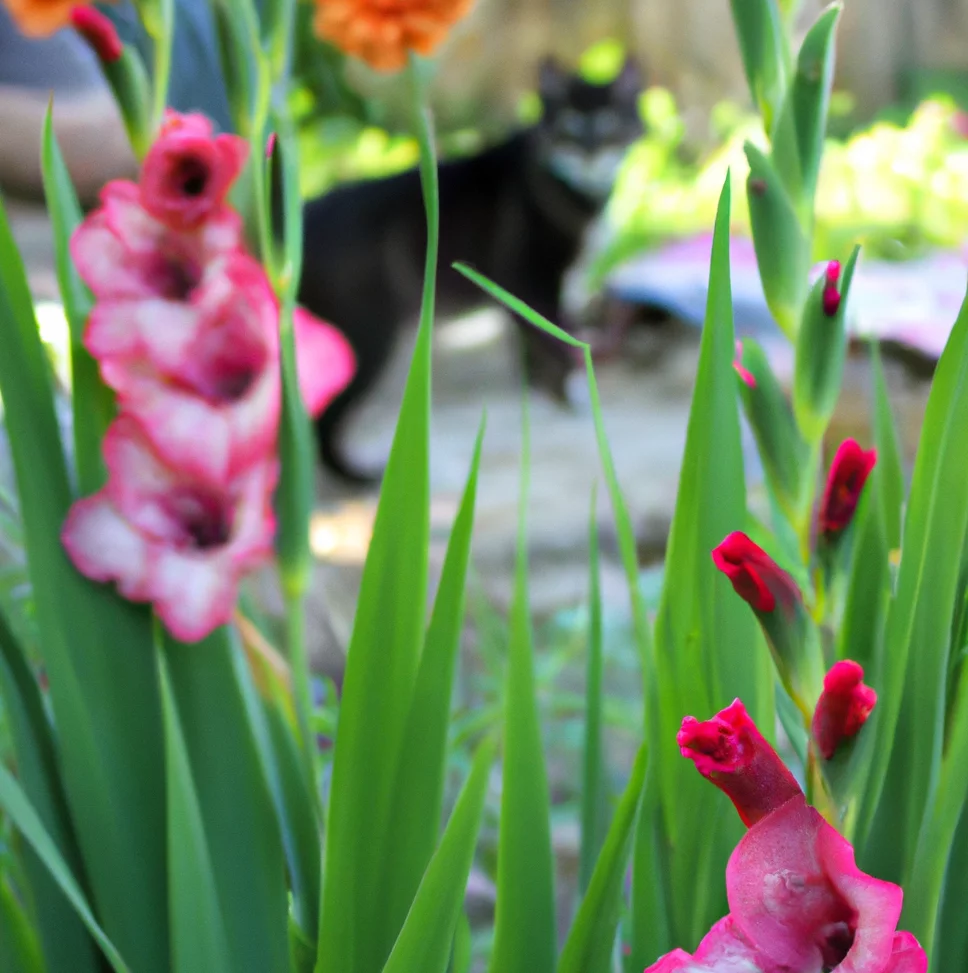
x=797 y=901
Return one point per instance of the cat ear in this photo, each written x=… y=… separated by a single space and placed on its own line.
x=552 y=81
x=629 y=83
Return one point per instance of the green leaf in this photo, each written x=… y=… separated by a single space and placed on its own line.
x=524 y=922
x=19 y=945
x=92 y=402
x=97 y=650
x=889 y=472
x=802 y=124
x=269 y=706
x=462 y=956
x=763 y=46
x=66 y=944
x=16 y=805
x=427 y=935
x=907 y=759
x=419 y=789
x=240 y=828
x=707 y=650
x=594 y=792
x=591 y=941
x=782 y=247
x=356 y=932
x=197 y=927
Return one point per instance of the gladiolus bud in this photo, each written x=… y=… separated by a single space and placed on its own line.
x=776 y=600
x=845 y=481
x=843 y=707
x=99 y=31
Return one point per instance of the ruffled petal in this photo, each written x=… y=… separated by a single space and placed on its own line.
x=324 y=361
x=193 y=593
x=103 y=546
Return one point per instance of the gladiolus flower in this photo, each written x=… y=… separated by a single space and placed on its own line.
x=168 y=538
x=845 y=481
x=798 y=903
x=99 y=31
x=201 y=377
x=843 y=707
x=188 y=171
x=38 y=18
x=382 y=32
x=121 y=251
x=755 y=576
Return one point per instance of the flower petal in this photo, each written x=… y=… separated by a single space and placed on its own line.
x=324 y=360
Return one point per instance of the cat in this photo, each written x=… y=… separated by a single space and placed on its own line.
x=517 y=212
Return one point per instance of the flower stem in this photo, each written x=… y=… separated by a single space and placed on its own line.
x=160 y=24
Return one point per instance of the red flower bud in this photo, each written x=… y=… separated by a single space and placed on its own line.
x=730 y=751
x=843 y=707
x=755 y=576
x=848 y=474
x=98 y=31
x=745 y=375
x=831 y=296
x=270 y=145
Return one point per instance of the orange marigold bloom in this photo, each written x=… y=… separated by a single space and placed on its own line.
x=382 y=32
x=37 y=18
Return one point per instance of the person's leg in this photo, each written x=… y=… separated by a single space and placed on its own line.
x=86 y=120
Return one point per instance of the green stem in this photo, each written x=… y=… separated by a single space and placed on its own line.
x=301 y=684
x=162 y=32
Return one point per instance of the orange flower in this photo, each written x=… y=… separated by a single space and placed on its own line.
x=381 y=32
x=37 y=18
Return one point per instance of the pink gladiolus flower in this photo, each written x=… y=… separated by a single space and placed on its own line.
x=324 y=361
x=188 y=171
x=843 y=707
x=798 y=903
x=848 y=473
x=169 y=539
x=122 y=252
x=755 y=576
x=200 y=377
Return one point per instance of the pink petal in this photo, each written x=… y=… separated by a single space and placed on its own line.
x=777 y=890
x=907 y=956
x=724 y=949
x=324 y=361
x=193 y=593
x=877 y=904
x=105 y=547
x=152 y=327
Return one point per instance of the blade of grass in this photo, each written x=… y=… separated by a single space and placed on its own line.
x=19 y=945
x=97 y=653
x=594 y=792
x=16 y=805
x=241 y=830
x=66 y=944
x=591 y=942
x=419 y=789
x=426 y=938
x=356 y=933
x=524 y=922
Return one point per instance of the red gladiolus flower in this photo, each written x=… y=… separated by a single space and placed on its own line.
x=188 y=171
x=798 y=902
x=99 y=31
x=755 y=576
x=843 y=707
x=845 y=481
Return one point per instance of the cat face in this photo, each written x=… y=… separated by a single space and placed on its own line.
x=586 y=129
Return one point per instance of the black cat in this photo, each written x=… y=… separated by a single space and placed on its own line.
x=517 y=212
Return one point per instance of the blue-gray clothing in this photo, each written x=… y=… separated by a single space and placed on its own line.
x=63 y=62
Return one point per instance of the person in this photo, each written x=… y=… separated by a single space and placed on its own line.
x=86 y=120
